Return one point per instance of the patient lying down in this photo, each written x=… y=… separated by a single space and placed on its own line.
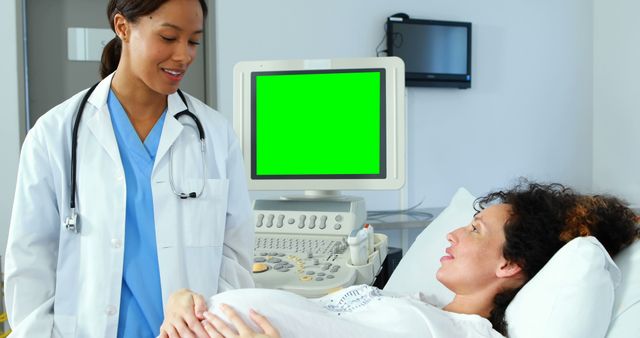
x=508 y=241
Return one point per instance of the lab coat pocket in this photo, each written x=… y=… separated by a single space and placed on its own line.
x=203 y=268
x=64 y=326
x=205 y=217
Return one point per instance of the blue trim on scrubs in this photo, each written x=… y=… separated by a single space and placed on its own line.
x=141 y=298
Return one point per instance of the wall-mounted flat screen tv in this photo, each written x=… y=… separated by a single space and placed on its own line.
x=435 y=53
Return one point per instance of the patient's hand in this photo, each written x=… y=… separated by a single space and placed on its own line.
x=183 y=315
x=217 y=328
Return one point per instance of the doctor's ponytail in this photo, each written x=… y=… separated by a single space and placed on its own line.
x=110 y=57
x=131 y=10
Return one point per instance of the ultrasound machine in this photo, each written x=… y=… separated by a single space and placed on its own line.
x=319 y=126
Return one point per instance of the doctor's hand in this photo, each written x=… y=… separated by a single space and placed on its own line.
x=183 y=316
x=217 y=328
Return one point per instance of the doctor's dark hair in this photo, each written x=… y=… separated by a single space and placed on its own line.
x=131 y=10
x=545 y=217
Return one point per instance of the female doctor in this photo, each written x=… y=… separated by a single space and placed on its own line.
x=121 y=200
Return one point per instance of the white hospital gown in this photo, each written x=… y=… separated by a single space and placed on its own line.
x=359 y=311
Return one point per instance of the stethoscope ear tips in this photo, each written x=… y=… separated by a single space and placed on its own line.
x=193 y=194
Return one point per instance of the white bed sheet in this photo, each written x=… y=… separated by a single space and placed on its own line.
x=356 y=312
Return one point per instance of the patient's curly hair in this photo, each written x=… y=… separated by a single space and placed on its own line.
x=544 y=218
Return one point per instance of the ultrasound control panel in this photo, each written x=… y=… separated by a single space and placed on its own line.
x=309 y=217
x=301 y=244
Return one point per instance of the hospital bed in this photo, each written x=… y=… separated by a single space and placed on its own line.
x=573 y=296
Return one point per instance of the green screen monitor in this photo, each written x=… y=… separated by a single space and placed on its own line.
x=337 y=127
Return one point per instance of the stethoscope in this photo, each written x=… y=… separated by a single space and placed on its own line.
x=71 y=223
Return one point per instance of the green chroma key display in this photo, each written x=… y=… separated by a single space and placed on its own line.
x=318 y=123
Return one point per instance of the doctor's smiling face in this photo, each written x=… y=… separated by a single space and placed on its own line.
x=158 y=48
x=473 y=262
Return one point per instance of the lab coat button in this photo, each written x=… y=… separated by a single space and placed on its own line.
x=116 y=243
x=110 y=310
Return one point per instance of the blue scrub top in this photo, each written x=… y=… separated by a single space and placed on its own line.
x=141 y=298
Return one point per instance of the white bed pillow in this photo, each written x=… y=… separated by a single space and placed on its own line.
x=625 y=321
x=572 y=296
x=417 y=269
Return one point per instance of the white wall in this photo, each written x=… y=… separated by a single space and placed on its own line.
x=528 y=113
x=616 y=99
x=10 y=126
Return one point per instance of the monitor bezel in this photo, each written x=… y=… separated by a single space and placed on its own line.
x=395 y=122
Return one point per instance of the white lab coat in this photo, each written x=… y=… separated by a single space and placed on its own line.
x=62 y=284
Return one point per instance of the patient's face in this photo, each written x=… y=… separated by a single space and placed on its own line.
x=471 y=261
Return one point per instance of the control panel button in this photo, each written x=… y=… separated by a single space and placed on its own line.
x=323 y=222
x=302 y=219
x=338 y=218
x=280 y=222
x=260 y=267
x=312 y=221
x=338 y=226
x=259 y=220
x=270 y=220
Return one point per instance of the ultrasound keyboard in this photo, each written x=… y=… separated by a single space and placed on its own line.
x=301 y=245
x=311 y=267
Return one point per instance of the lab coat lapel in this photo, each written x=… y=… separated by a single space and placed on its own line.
x=101 y=127
x=171 y=129
x=99 y=120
